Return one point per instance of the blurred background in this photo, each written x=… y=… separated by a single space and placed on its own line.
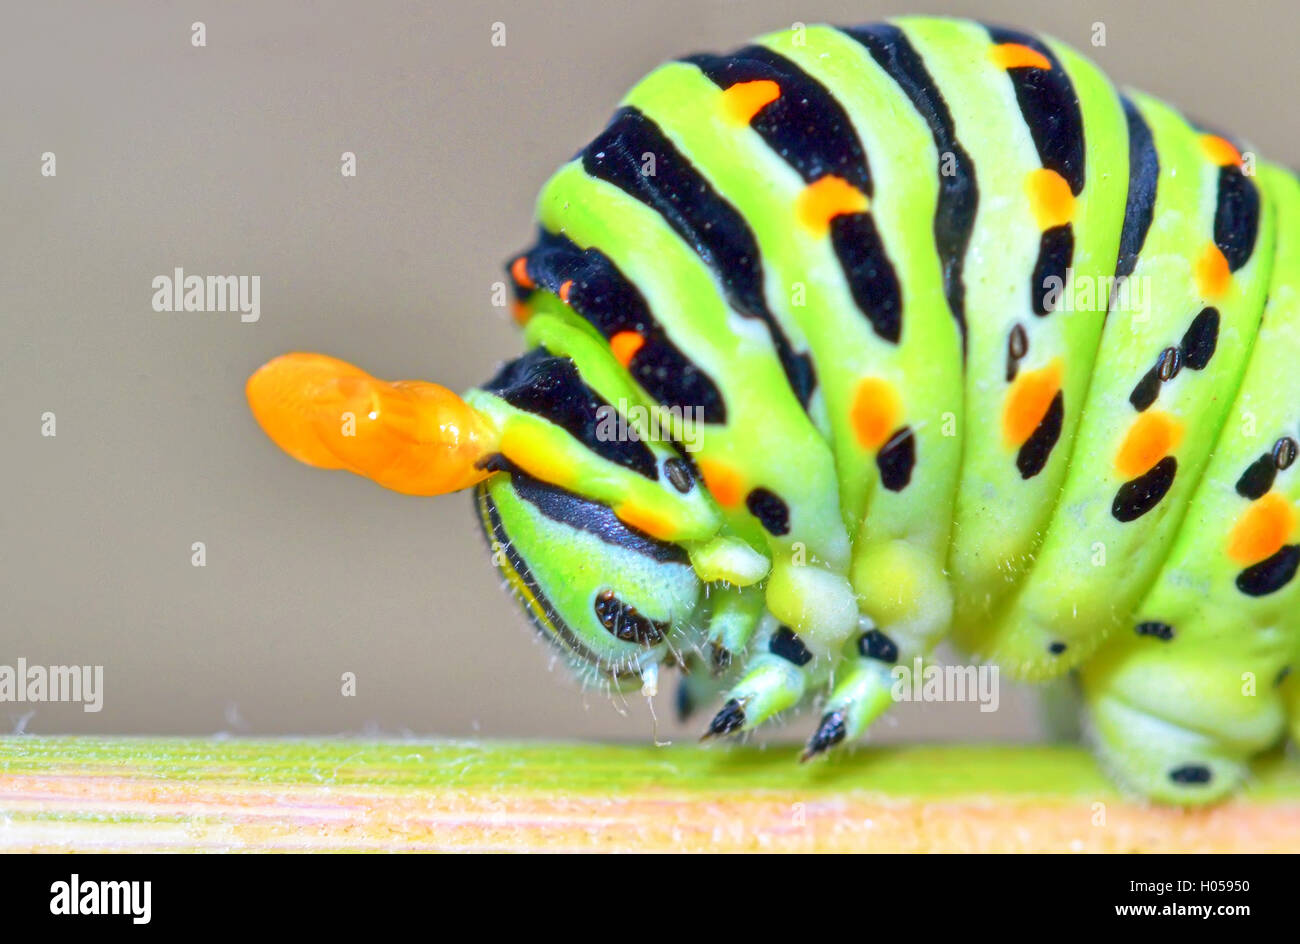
x=226 y=159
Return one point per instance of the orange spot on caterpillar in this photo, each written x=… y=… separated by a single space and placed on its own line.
x=1018 y=56
x=1152 y=436
x=1212 y=272
x=520 y=312
x=823 y=200
x=519 y=272
x=624 y=345
x=1028 y=400
x=875 y=412
x=529 y=448
x=1220 y=151
x=1049 y=197
x=744 y=100
x=723 y=482
x=1262 y=530
x=565 y=288
x=644 y=519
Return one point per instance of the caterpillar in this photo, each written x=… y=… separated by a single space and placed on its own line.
x=859 y=339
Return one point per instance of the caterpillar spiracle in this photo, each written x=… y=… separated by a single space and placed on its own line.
x=859 y=339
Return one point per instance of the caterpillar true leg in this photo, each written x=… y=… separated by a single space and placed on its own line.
x=862 y=693
x=776 y=677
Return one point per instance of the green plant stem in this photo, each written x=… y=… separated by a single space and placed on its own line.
x=137 y=794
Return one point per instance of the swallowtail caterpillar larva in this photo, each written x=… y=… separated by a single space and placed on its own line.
x=953 y=339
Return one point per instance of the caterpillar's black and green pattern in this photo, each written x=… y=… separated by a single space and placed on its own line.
x=950 y=338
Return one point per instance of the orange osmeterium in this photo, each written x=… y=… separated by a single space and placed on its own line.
x=408 y=435
x=1152 y=436
x=1262 y=531
x=1028 y=401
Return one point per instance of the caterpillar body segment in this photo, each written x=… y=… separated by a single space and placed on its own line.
x=856 y=339
x=1197 y=681
x=1051 y=176
x=1143 y=443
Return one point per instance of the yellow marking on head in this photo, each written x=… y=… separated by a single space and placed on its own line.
x=1212 y=272
x=1049 y=197
x=1220 y=151
x=519 y=272
x=1153 y=435
x=824 y=199
x=742 y=101
x=410 y=436
x=723 y=482
x=1028 y=401
x=1018 y=56
x=624 y=345
x=1262 y=530
x=875 y=412
x=646 y=519
x=529 y=447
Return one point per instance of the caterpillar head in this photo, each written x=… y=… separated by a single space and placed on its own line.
x=609 y=596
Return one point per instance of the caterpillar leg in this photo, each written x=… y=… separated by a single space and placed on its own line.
x=1179 y=727
x=861 y=695
x=733 y=615
x=776 y=678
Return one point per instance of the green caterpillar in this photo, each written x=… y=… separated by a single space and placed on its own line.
x=857 y=339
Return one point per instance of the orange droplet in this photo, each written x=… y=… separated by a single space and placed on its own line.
x=1262 y=530
x=1212 y=272
x=1220 y=151
x=1028 y=401
x=723 y=482
x=565 y=288
x=875 y=412
x=1050 y=197
x=744 y=100
x=644 y=519
x=519 y=272
x=824 y=199
x=624 y=345
x=413 y=437
x=1152 y=436
x=1018 y=56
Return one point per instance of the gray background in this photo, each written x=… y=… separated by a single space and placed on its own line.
x=225 y=159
